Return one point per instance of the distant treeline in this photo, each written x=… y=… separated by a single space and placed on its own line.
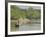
x=29 y=13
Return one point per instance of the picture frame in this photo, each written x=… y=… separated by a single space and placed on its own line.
x=22 y=33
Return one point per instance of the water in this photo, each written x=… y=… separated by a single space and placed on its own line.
x=26 y=27
x=29 y=27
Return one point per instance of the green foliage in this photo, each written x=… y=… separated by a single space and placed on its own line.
x=19 y=13
x=15 y=12
x=34 y=13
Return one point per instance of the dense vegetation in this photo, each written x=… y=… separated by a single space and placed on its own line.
x=29 y=13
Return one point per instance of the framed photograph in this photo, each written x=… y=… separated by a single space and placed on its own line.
x=24 y=18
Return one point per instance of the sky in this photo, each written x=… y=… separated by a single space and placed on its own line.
x=26 y=7
x=23 y=7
